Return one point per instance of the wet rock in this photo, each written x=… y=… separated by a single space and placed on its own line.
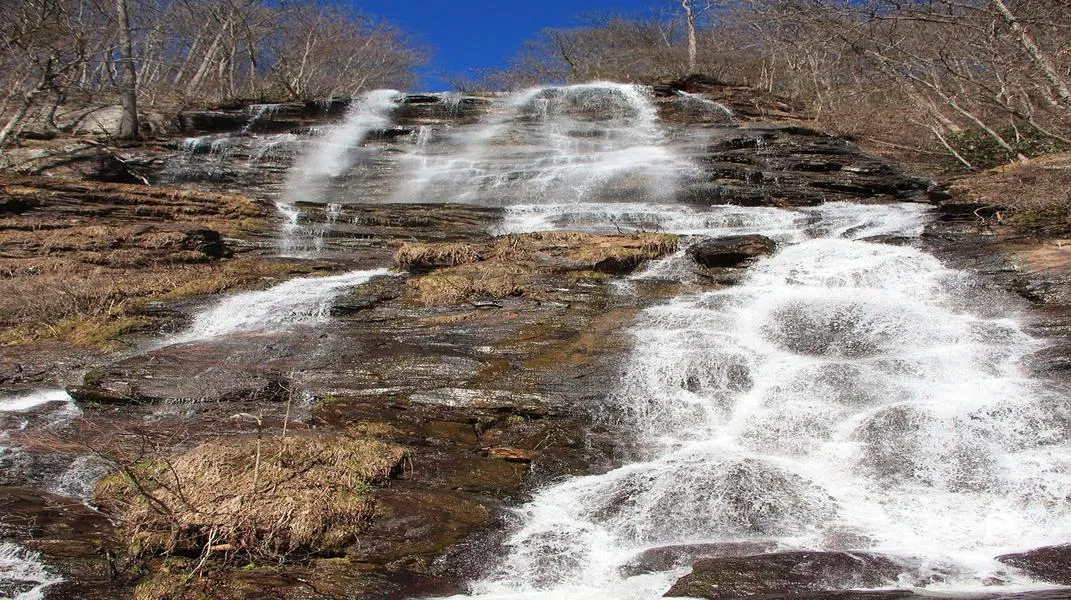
x=785 y=573
x=512 y=454
x=413 y=524
x=1050 y=563
x=211 y=121
x=730 y=251
x=179 y=374
x=75 y=542
x=368 y=295
x=669 y=557
x=765 y=165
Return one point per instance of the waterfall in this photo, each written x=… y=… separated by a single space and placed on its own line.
x=301 y=301
x=844 y=390
x=22 y=574
x=32 y=400
x=330 y=157
x=590 y=142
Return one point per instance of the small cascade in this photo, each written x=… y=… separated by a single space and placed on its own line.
x=32 y=400
x=259 y=113
x=205 y=158
x=329 y=157
x=22 y=576
x=302 y=301
x=844 y=390
x=592 y=142
x=705 y=109
x=274 y=148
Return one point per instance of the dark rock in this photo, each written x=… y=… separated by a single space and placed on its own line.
x=369 y=295
x=211 y=121
x=412 y=523
x=668 y=557
x=1050 y=563
x=206 y=241
x=731 y=251
x=179 y=374
x=785 y=573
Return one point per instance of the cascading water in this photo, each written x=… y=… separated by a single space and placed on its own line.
x=302 y=301
x=591 y=142
x=846 y=395
x=329 y=157
x=22 y=576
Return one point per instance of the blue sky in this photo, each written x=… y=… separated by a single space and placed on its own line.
x=467 y=34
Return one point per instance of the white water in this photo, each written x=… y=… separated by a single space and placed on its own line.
x=33 y=399
x=301 y=301
x=21 y=569
x=595 y=141
x=329 y=157
x=844 y=390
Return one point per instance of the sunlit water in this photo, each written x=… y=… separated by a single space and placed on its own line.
x=300 y=301
x=845 y=390
x=327 y=158
x=588 y=142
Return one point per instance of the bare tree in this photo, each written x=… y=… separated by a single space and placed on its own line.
x=128 y=85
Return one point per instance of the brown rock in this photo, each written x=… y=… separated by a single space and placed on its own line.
x=1049 y=563
x=783 y=573
x=731 y=251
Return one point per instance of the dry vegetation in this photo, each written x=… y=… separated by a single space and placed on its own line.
x=92 y=256
x=510 y=265
x=272 y=497
x=939 y=84
x=62 y=55
x=91 y=305
x=1036 y=194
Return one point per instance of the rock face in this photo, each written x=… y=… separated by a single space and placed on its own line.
x=1051 y=563
x=784 y=573
x=492 y=388
x=730 y=251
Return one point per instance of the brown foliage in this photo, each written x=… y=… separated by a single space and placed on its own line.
x=270 y=497
x=508 y=265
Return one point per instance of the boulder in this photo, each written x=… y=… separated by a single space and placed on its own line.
x=731 y=251
x=664 y=558
x=785 y=573
x=1049 y=563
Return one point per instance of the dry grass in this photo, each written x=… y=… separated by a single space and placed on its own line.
x=1040 y=189
x=90 y=305
x=276 y=497
x=490 y=279
x=418 y=257
x=508 y=265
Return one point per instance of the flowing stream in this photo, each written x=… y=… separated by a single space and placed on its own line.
x=847 y=395
x=328 y=158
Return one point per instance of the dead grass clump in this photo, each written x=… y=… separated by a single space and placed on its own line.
x=624 y=253
x=425 y=257
x=1037 y=191
x=272 y=497
x=508 y=265
x=490 y=279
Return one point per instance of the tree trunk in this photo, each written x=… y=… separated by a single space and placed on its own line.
x=20 y=114
x=128 y=81
x=1040 y=60
x=690 y=16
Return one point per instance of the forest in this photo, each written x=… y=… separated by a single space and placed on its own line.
x=945 y=84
